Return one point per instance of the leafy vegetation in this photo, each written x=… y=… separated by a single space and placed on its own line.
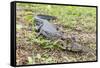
x=71 y=19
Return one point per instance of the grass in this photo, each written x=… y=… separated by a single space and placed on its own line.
x=73 y=19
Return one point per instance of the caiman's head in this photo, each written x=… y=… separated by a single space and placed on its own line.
x=38 y=23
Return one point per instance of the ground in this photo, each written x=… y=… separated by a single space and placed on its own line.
x=77 y=20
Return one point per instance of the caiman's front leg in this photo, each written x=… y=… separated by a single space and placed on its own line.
x=42 y=32
x=38 y=34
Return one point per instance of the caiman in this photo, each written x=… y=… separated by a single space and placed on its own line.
x=50 y=31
